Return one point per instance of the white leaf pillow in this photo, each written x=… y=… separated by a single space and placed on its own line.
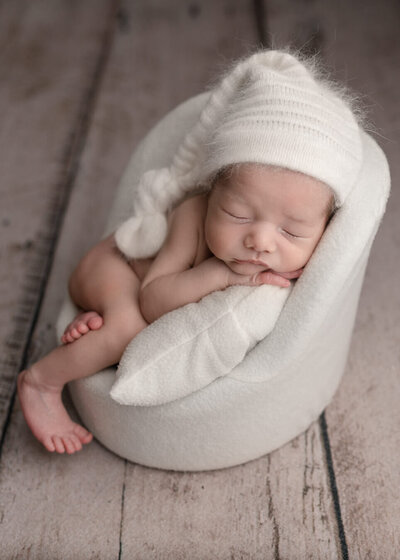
x=190 y=347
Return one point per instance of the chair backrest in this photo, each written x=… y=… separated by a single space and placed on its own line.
x=323 y=303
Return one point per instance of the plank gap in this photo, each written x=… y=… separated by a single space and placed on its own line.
x=40 y=264
x=261 y=16
x=122 y=509
x=333 y=486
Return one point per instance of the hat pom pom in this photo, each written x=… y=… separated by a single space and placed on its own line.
x=142 y=236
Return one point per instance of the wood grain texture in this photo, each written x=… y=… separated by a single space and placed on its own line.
x=53 y=51
x=275 y=507
x=95 y=504
x=48 y=60
x=361 y=46
x=57 y=506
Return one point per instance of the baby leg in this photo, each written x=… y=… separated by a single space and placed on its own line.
x=81 y=292
x=107 y=284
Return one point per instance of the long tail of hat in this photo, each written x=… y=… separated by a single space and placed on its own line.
x=158 y=190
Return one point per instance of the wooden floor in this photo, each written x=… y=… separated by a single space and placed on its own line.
x=81 y=82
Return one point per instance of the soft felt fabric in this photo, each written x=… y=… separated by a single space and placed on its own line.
x=286 y=380
x=186 y=350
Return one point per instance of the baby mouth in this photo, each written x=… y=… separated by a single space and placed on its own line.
x=259 y=263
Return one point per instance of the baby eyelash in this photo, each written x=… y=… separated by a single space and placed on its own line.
x=234 y=216
x=291 y=234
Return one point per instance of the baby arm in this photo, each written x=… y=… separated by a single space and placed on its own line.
x=172 y=281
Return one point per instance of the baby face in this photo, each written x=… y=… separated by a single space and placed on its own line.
x=260 y=218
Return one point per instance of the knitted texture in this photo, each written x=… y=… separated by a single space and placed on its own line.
x=269 y=109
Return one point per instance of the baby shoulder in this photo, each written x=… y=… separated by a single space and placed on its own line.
x=191 y=210
x=193 y=203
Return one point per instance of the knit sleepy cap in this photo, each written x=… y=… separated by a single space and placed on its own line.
x=269 y=109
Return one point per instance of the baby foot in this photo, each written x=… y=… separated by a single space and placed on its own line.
x=83 y=322
x=46 y=416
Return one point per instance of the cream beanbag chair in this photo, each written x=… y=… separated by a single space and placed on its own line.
x=286 y=369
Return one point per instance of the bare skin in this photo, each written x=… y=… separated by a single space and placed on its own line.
x=119 y=299
x=47 y=410
x=82 y=324
x=40 y=386
x=49 y=420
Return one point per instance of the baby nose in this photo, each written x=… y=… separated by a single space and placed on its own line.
x=261 y=240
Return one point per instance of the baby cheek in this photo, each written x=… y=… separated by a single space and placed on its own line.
x=211 y=236
x=287 y=257
x=301 y=257
x=218 y=239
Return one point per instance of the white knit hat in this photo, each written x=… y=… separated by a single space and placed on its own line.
x=269 y=109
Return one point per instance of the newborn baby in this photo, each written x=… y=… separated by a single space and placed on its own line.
x=274 y=153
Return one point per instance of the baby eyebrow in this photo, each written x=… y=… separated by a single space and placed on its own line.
x=238 y=198
x=235 y=195
x=242 y=200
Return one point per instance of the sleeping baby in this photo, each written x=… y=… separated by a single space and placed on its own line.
x=245 y=201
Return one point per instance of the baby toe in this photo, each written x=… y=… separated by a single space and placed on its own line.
x=58 y=444
x=69 y=445
x=76 y=442
x=95 y=322
x=48 y=443
x=67 y=328
x=82 y=328
x=83 y=434
x=75 y=333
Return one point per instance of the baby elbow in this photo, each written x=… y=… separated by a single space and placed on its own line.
x=142 y=301
x=145 y=304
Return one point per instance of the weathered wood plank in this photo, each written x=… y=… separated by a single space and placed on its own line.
x=54 y=506
x=277 y=506
x=360 y=42
x=48 y=60
x=49 y=505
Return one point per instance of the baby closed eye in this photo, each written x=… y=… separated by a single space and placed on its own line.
x=294 y=236
x=288 y=233
x=240 y=218
x=246 y=219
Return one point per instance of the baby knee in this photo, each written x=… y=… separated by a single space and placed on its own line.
x=80 y=274
x=89 y=268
